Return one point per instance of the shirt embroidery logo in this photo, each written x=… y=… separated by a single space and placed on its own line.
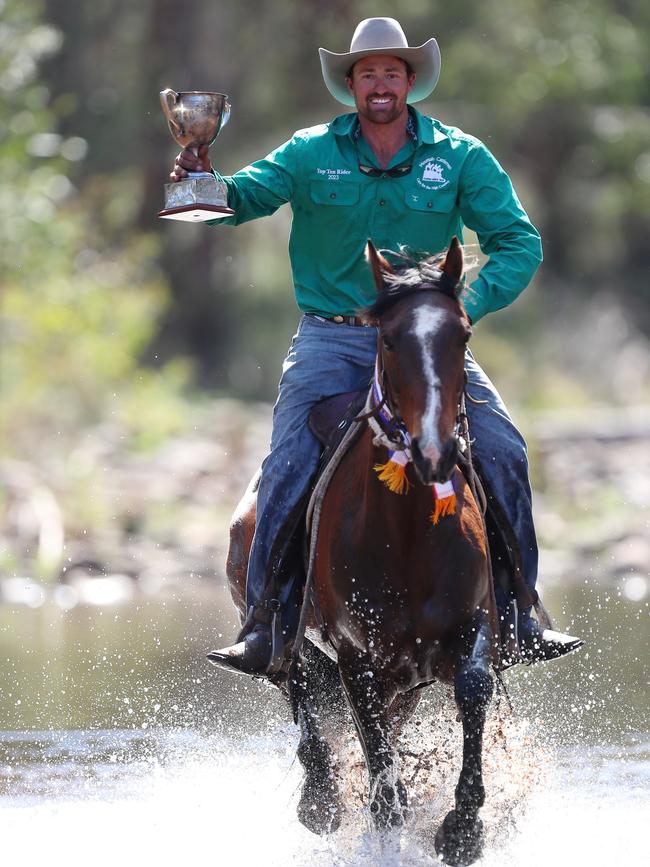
x=332 y=174
x=433 y=173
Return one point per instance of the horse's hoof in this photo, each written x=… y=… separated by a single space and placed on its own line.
x=319 y=809
x=458 y=841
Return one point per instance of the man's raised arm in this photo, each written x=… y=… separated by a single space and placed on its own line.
x=254 y=191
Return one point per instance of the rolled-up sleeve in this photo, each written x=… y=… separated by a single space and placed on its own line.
x=489 y=206
x=261 y=188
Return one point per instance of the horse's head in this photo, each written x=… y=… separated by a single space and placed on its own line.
x=423 y=332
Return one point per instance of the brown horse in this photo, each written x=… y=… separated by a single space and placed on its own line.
x=401 y=597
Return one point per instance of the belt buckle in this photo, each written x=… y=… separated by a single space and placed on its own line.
x=338 y=319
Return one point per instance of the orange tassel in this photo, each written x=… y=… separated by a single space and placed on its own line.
x=393 y=475
x=444 y=506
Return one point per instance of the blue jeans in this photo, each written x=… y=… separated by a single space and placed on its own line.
x=326 y=359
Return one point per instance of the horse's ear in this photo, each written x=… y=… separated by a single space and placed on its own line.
x=378 y=265
x=453 y=264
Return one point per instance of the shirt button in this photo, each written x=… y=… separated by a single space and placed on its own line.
x=429 y=204
x=332 y=195
x=382 y=202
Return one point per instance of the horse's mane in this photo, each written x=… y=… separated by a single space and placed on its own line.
x=409 y=275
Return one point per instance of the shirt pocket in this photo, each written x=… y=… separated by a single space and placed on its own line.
x=333 y=193
x=438 y=201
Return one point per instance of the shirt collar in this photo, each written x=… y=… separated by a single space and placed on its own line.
x=344 y=123
x=421 y=129
x=428 y=131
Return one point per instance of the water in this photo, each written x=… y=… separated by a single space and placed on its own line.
x=119 y=742
x=160 y=798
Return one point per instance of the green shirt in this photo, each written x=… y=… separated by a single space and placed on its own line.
x=454 y=182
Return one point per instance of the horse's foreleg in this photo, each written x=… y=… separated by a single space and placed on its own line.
x=370 y=701
x=317 y=700
x=460 y=839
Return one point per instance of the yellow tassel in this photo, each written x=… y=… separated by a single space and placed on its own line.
x=444 y=506
x=393 y=475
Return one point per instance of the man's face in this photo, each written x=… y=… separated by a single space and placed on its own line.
x=380 y=86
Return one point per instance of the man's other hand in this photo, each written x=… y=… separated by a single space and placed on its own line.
x=187 y=161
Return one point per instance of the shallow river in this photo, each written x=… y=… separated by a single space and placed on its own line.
x=120 y=744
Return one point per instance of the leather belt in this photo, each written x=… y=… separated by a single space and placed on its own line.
x=342 y=320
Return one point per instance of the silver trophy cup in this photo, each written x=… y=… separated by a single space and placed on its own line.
x=195 y=119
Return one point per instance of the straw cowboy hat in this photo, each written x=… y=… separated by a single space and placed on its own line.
x=382 y=36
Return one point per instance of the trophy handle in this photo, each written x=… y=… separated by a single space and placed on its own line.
x=168 y=98
x=225 y=117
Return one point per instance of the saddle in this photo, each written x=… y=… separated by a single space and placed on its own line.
x=330 y=420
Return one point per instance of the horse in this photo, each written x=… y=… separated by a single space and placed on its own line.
x=399 y=590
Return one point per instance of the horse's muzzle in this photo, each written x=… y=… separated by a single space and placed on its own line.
x=440 y=472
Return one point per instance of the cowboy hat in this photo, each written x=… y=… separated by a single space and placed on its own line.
x=382 y=36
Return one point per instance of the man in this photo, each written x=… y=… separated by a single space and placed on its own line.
x=387 y=173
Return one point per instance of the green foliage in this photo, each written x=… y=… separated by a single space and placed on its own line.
x=559 y=91
x=80 y=301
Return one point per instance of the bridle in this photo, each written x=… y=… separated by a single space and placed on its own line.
x=388 y=426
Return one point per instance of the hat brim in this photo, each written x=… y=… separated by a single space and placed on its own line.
x=423 y=60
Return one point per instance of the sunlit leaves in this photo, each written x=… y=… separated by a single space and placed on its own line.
x=77 y=307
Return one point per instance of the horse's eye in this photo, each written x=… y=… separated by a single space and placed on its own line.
x=388 y=343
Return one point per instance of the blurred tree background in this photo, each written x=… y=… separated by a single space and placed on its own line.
x=110 y=316
x=560 y=93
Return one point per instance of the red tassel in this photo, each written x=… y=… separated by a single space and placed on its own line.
x=443 y=506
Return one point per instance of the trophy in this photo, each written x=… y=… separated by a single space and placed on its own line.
x=195 y=119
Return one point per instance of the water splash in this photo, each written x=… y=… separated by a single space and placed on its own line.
x=166 y=797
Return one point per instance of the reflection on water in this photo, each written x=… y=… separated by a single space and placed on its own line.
x=140 y=665
x=113 y=720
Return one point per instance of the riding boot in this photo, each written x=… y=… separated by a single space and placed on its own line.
x=526 y=640
x=250 y=656
x=540 y=644
x=255 y=652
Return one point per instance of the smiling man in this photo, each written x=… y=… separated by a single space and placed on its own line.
x=386 y=172
x=379 y=86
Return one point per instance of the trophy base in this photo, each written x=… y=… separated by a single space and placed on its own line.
x=196 y=213
x=197 y=198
